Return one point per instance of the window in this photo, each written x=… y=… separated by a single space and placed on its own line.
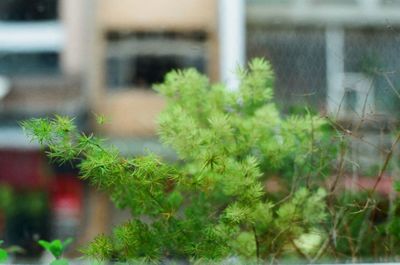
x=29 y=64
x=370 y=52
x=31 y=38
x=298 y=59
x=32 y=10
x=142 y=59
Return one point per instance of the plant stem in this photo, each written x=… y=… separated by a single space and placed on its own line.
x=385 y=165
x=257 y=243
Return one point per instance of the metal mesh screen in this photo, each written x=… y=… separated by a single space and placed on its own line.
x=298 y=59
x=299 y=56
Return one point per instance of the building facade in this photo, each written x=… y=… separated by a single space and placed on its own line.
x=101 y=57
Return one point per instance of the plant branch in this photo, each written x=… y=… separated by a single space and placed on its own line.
x=385 y=165
x=257 y=242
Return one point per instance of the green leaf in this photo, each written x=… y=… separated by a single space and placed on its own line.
x=175 y=199
x=45 y=244
x=67 y=242
x=396 y=186
x=56 y=248
x=59 y=262
x=100 y=119
x=3 y=255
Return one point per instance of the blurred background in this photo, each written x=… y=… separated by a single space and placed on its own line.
x=101 y=57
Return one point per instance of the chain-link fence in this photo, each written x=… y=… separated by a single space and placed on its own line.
x=300 y=57
x=349 y=70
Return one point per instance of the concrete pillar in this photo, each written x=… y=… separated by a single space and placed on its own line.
x=232 y=34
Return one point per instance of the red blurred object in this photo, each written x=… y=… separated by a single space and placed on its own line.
x=383 y=187
x=22 y=168
x=66 y=205
x=364 y=184
x=66 y=194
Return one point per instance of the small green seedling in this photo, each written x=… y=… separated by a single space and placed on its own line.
x=100 y=119
x=3 y=254
x=56 y=248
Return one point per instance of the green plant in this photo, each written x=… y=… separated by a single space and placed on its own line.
x=6 y=199
x=56 y=248
x=3 y=254
x=214 y=201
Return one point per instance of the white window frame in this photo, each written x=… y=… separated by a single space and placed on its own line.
x=31 y=37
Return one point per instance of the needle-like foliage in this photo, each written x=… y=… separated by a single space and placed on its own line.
x=214 y=202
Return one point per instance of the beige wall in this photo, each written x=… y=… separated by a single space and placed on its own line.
x=158 y=14
x=132 y=113
x=72 y=13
